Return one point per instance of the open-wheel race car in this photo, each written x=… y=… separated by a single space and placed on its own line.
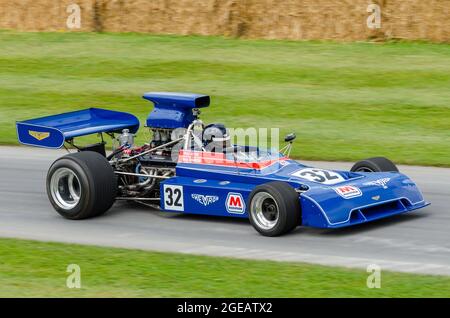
x=189 y=167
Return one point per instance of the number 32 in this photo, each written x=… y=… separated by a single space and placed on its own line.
x=173 y=197
x=319 y=175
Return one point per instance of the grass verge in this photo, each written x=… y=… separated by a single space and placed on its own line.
x=345 y=101
x=37 y=269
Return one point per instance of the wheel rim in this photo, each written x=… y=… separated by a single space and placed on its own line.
x=364 y=169
x=264 y=210
x=65 y=188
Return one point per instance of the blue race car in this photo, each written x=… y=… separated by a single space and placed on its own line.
x=188 y=167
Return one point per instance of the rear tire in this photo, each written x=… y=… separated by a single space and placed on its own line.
x=274 y=208
x=377 y=164
x=81 y=185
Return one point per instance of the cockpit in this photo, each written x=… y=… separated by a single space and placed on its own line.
x=212 y=145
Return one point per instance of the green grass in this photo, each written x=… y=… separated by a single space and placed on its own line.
x=345 y=101
x=36 y=269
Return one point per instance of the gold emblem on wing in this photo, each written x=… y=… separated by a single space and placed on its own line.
x=39 y=135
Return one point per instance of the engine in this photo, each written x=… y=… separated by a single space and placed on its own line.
x=141 y=169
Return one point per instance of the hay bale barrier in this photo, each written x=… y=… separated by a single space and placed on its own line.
x=343 y=20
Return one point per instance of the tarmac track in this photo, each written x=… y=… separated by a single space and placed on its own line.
x=413 y=242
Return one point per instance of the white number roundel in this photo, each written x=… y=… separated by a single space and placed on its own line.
x=319 y=175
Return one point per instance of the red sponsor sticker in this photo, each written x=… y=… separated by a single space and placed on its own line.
x=348 y=191
x=235 y=203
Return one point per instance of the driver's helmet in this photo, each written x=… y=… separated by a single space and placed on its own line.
x=216 y=137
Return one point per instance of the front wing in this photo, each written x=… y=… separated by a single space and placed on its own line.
x=380 y=195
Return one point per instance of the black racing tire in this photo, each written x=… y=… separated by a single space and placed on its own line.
x=269 y=196
x=81 y=185
x=377 y=164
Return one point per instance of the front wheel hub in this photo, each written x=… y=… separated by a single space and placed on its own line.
x=264 y=210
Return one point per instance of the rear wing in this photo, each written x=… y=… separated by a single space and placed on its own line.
x=53 y=131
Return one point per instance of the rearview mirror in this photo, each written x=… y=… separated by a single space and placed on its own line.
x=290 y=137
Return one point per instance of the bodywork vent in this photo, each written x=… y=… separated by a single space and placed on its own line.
x=379 y=211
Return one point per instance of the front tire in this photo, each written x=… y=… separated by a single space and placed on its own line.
x=81 y=185
x=377 y=164
x=274 y=208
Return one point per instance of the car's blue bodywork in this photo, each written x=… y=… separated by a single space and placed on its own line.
x=214 y=184
x=206 y=188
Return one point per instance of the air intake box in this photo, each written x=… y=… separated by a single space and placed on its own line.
x=174 y=110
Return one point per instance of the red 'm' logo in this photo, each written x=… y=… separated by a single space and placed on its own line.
x=235 y=203
x=346 y=189
x=348 y=192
